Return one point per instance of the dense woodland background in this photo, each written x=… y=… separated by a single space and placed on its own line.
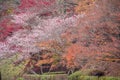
x=73 y=37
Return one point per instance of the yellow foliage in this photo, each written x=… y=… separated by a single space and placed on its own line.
x=48 y=44
x=9 y=11
x=51 y=45
x=84 y=6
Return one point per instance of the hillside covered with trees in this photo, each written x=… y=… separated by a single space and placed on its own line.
x=60 y=39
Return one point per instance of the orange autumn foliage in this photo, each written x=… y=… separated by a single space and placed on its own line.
x=95 y=35
x=72 y=50
x=45 y=61
x=46 y=44
x=70 y=55
x=51 y=45
x=84 y=6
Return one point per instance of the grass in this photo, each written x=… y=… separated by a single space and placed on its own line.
x=80 y=75
x=38 y=77
x=52 y=73
x=45 y=77
x=55 y=77
x=20 y=78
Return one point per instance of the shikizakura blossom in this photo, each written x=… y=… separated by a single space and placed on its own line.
x=24 y=40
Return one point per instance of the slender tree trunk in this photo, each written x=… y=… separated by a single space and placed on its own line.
x=0 y=76
x=41 y=69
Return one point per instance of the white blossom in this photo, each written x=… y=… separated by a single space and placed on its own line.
x=25 y=40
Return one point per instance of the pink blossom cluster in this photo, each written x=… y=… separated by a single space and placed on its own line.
x=27 y=27
x=24 y=40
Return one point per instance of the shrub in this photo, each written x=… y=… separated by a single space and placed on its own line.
x=75 y=76
x=85 y=75
x=88 y=78
x=91 y=78
x=96 y=73
x=20 y=78
x=8 y=70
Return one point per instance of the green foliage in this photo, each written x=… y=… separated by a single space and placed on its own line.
x=39 y=77
x=88 y=78
x=47 y=77
x=75 y=76
x=93 y=78
x=80 y=75
x=20 y=78
x=7 y=68
x=56 y=58
x=110 y=78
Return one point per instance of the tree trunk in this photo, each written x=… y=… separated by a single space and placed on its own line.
x=41 y=69
x=0 y=76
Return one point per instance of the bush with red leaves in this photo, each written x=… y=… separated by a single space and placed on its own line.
x=7 y=28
